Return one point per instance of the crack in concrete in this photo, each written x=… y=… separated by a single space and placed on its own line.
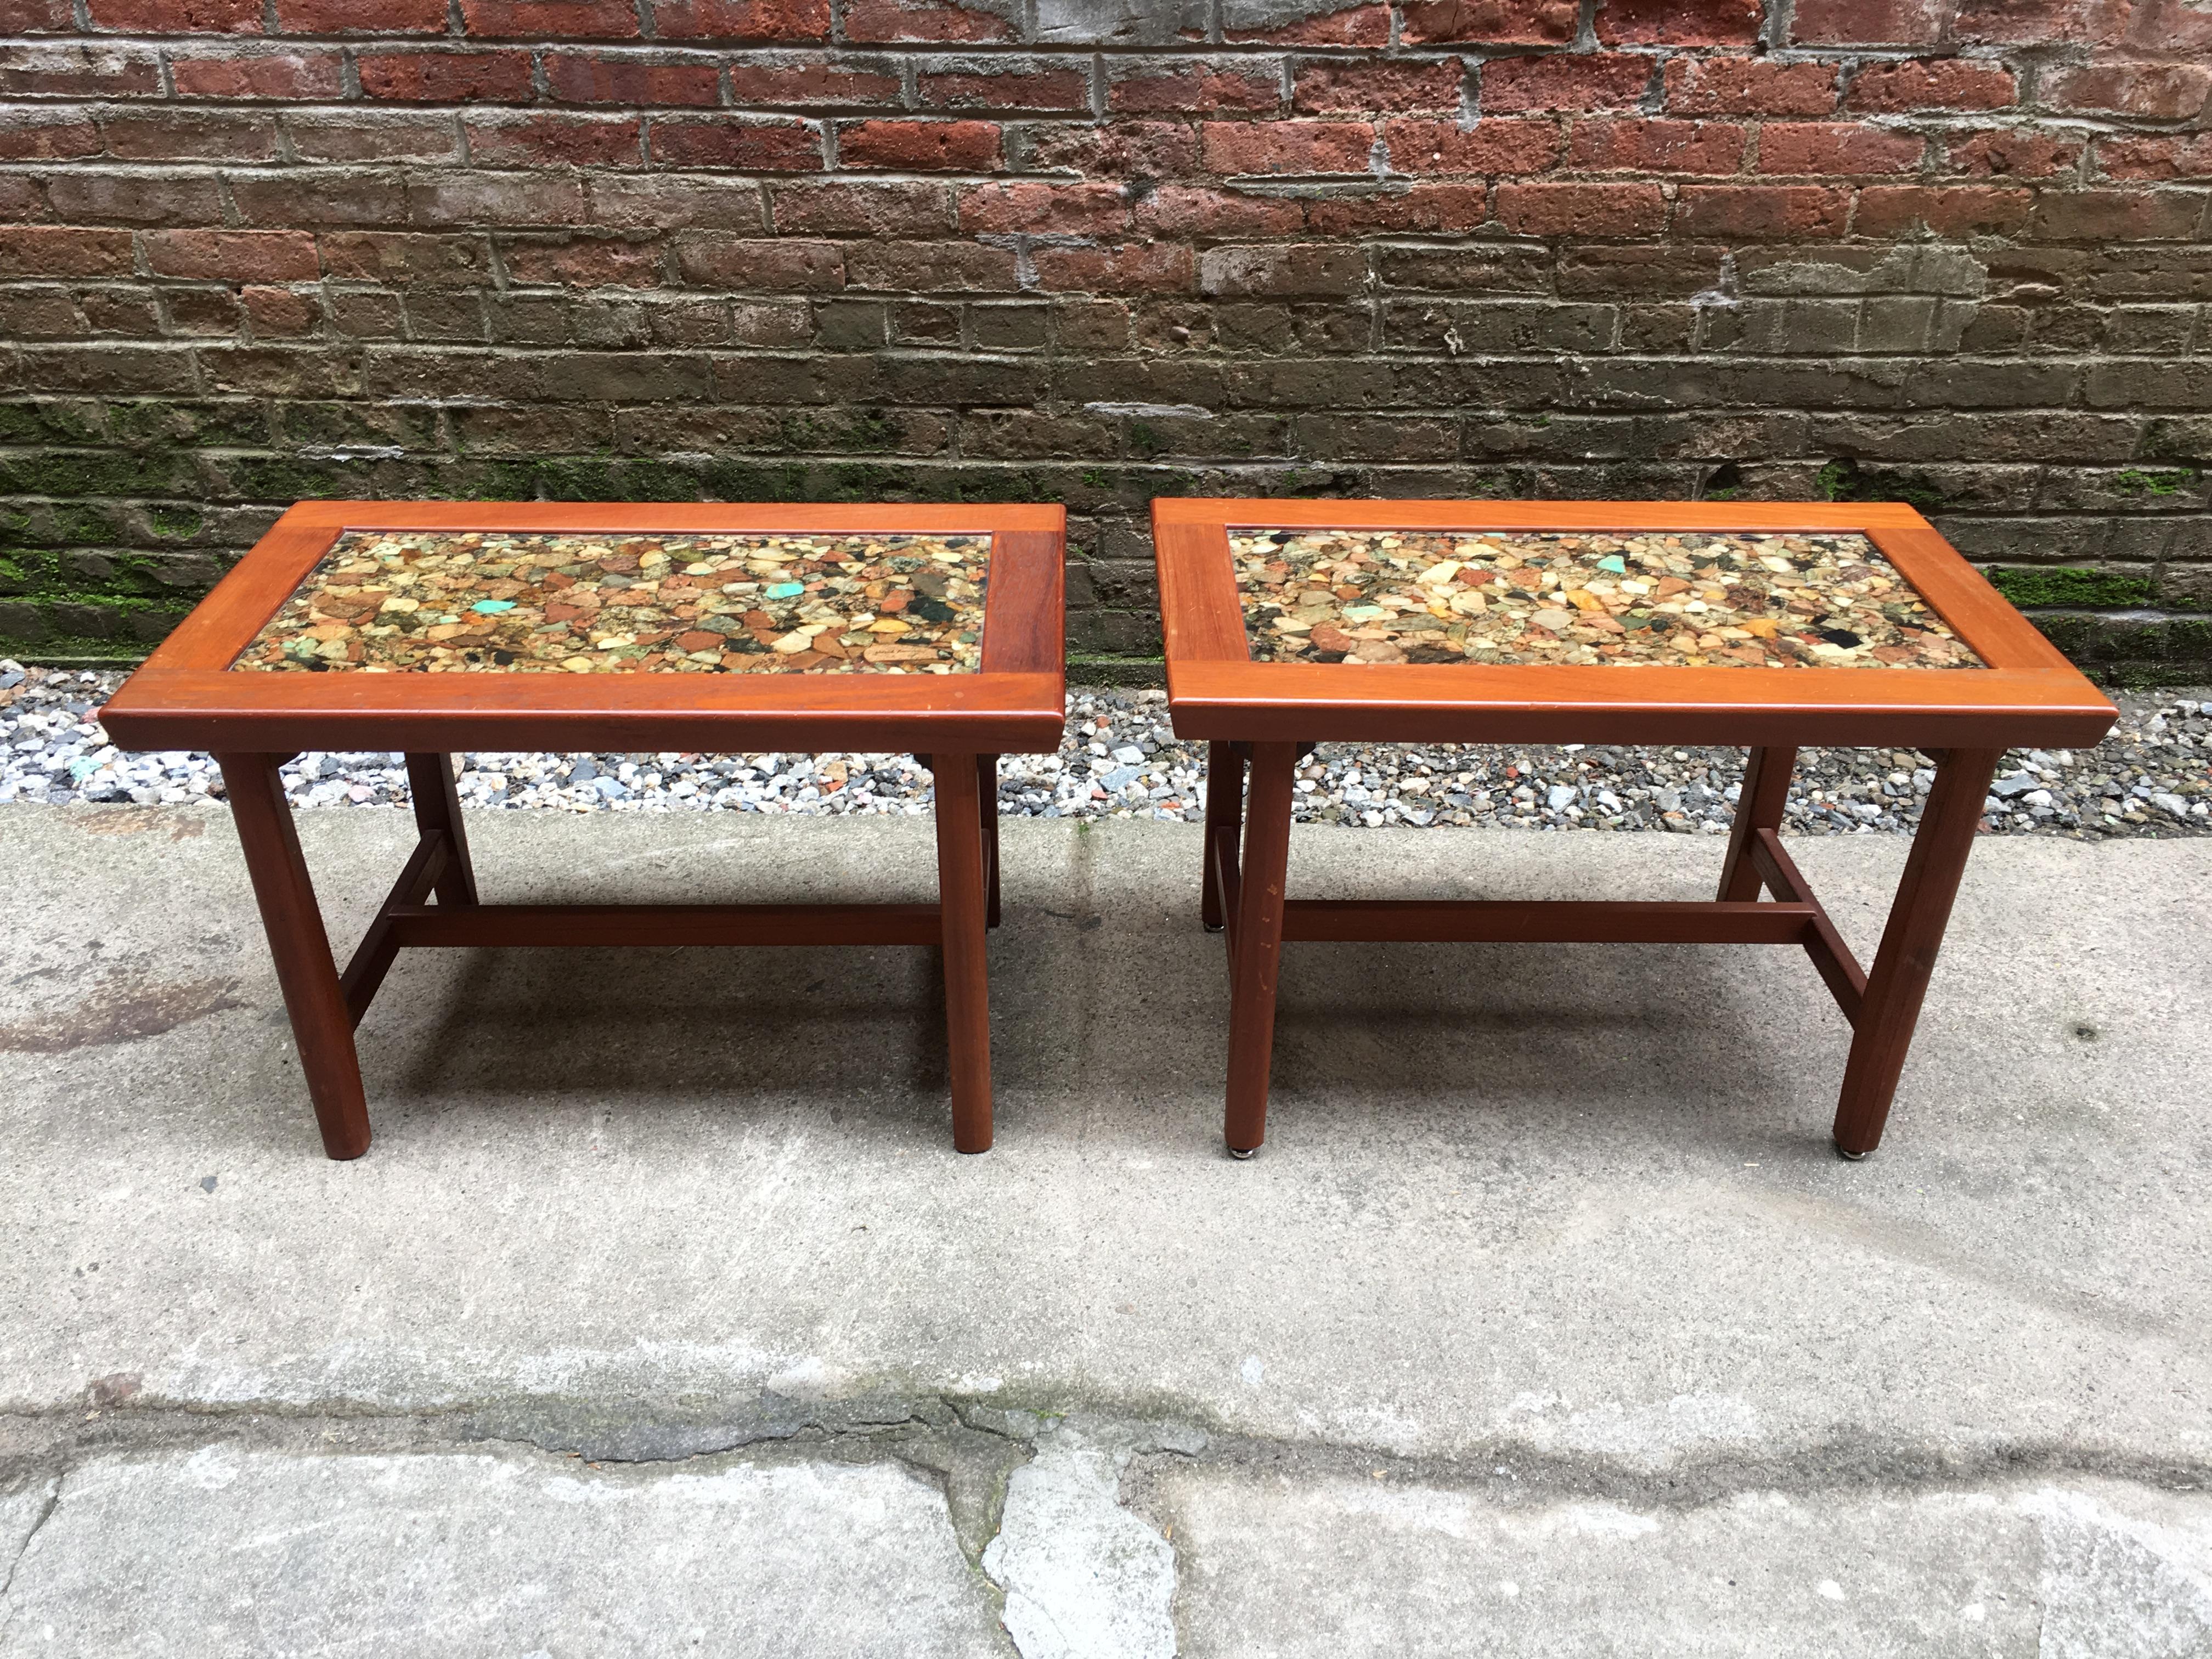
x=1062 y=1513
x=46 y=1513
x=930 y=1430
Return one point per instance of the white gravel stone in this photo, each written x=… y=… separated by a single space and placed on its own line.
x=1120 y=759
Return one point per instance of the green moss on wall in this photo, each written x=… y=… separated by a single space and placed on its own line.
x=2070 y=586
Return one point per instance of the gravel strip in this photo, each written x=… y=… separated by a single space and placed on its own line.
x=2153 y=776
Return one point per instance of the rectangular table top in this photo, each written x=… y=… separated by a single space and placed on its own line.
x=366 y=624
x=1849 y=622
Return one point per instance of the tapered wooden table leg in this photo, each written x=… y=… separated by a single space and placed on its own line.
x=1898 y=979
x=1759 y=806
x=321 y=1028
x=438 y=806
x=1259 y=945
x=1224 y=816
x=961 y=899
x=986 y=790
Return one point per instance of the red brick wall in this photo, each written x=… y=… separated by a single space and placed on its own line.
x=1092 y=251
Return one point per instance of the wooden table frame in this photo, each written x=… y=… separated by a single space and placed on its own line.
x=1259 y=718
x=186 y=696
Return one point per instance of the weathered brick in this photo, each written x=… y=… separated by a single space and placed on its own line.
x=924 y=21
x=37 y=17
x=627 y=201
x=277 y=313
x=1426 y=209
x=558 y=139
x=1547 y=84
x=532 y=20
x=1012 y=86
x=1947 y=210
x=1118 y=149
x=1147 y=86
x=177 y=16
x=245 y=256
x=35 y=135
x=1070 y=209
x=606 y=77
x=812 y=83
x=1258 y=147
x=2039 y=22
x=1749 y=85
x=1139 y=268
x=374 y=136
x=1870 y=23
x=1580 y=209
x=1325 y=24
x=1467 y=270
x=72 y=70
x=761 y=266
x=47 y=313
x=1518 y=327
x=1929 y=83
x=446 y=77
x=182 y=135
x=760 y=145
x=1762 y=211
x=742 y=19
x=1492 y=22
x=920 y=146
x=402 y=258
x=1331 y=87
x=1280 y=269
x=145 y=370
x=361 y=16
x=931 y=268
x=1491 y=146
x=57 y=251
x=2165 y=92
x=446 y=315
x=1678 y=23
x=2176 y=156
x=2011 y=152
x=302 y=72
x=854 y=209
x=321 y=196
x=80 y=195
x=582 y=261
x=2118 y=215
x=1635 y=146
x=1799 y=147
x=355 y=314
x=1196 y=210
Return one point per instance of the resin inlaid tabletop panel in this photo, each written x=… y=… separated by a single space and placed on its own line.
x=496 y=602
x=1683 y=599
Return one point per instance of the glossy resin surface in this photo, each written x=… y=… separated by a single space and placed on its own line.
x=487 y=601
x=1685 y=599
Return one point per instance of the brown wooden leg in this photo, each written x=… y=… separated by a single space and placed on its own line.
x=1224 y=815
x=1898 y=979
x=321 y=1027
x=1259 y=945
x=438 y=806
x=986 y=790
x=960 y=897
x=1759 y=806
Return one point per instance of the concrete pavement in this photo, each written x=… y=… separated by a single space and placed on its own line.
x=662 y=1308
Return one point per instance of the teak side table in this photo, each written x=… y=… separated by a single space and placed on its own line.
x=433 y=628
x=1290 y=622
